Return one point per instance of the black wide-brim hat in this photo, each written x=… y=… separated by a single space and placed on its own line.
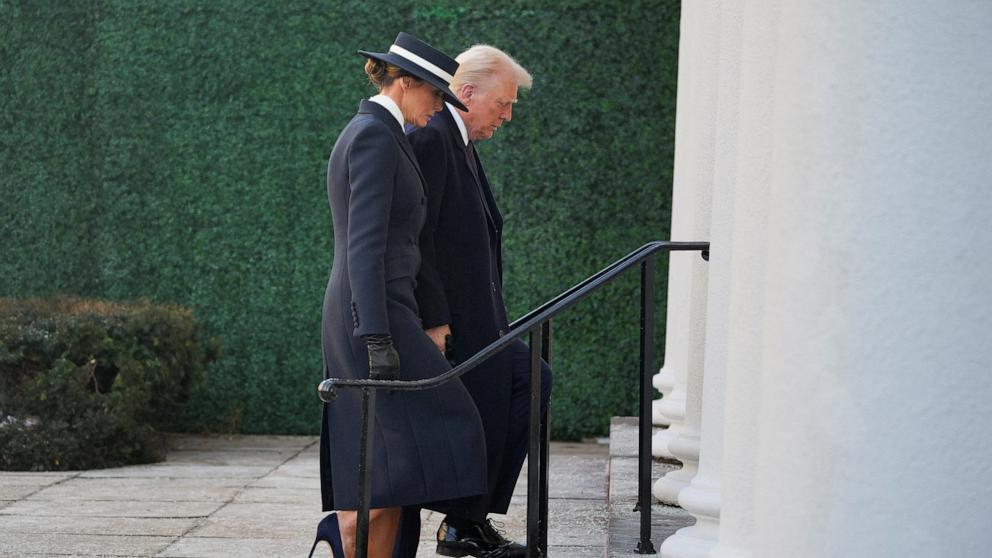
x=422 y=61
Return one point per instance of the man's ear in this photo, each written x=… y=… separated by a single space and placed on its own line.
x=466 y=92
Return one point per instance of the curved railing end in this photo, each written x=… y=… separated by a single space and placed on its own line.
x=327 y=390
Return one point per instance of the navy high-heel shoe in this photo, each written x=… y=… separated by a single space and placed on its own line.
x=407 y=536
x=329 y=532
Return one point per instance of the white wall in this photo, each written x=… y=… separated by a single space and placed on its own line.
x=858 y=407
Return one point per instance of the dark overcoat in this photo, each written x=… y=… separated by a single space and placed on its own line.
x=378 y=205
x=461 y=276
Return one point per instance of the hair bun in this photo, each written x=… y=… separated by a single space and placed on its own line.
x=378 y=72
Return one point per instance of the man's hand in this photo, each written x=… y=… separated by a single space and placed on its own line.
x=438 y=335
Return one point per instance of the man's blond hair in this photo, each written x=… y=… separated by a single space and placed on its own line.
x=481 y=64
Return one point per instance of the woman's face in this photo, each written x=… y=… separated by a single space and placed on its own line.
x=421 y=101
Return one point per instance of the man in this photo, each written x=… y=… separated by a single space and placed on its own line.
x=459 y=287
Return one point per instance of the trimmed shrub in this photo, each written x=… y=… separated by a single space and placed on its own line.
x=85 y=383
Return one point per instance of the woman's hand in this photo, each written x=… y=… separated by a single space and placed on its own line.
x=439 y=335
x=384 y=361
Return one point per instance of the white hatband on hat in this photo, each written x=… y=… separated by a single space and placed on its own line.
x=420 y=61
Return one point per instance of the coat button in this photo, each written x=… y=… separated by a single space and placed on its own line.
x=502 y=333
x=493 y=284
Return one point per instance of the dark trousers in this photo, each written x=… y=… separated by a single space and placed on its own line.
x=504 y=480
x=518 y=436
x=408 y=536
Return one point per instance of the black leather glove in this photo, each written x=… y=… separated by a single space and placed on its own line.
x=384 y=361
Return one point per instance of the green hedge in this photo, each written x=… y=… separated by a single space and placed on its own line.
x=177 y=150
x=85 y=383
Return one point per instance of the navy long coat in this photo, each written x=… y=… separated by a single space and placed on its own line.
x=460 y=281
x=378 y=205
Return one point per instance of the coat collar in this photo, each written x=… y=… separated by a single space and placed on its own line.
x=459 y=123
x=382 y=114
x=391 y=106
x=446 y=121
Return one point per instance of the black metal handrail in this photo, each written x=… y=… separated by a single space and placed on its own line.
x=537 y=323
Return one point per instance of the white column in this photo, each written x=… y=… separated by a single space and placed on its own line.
x=702 y=497
x=673 y=375
x=753 y=158
x=670 y=380
x=873 y=423
x=693 y=179
x=663 y=382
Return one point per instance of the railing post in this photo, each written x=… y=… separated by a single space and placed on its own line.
x=644 y=545
x=534 y=453
x=545 y=445
x=365 y=473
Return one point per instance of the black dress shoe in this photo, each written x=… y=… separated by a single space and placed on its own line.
x=481 y=540
x=510 y=549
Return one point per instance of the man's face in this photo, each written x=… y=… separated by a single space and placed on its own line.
x=489 y=106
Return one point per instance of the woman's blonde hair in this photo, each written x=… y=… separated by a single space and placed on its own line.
x=382 y=74
x=481 y=64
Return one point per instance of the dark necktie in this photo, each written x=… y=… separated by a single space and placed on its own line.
x=472 y=160
x=473 y=165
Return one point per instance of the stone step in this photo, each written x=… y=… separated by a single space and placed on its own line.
x=623 y=526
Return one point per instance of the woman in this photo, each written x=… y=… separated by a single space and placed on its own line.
x=370 y=324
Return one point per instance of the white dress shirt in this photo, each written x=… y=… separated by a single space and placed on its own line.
x=390 y=105
x=458 y=120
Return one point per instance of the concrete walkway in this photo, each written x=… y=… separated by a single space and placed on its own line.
x=625 y=524
x=247 y=496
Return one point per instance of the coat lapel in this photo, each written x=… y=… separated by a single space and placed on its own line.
x=482 y=184
x=492 y=210
x=381 y=113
